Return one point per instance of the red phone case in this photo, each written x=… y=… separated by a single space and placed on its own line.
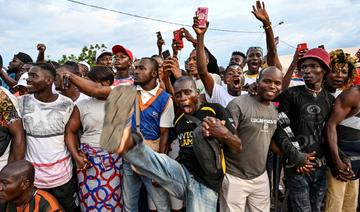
x=178 y=38
x=202 y=13
x=301 y=46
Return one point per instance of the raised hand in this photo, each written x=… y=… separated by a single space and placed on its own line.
x=186 y=34
x=59 y=79
x=172 y=65
x=160 y=41
x=299 y=54
x=41 y=47
x=199 y=31
x=175 y=47
x=260 y=13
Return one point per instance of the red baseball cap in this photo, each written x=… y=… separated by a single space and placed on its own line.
x=119 y=48
x=318 y=54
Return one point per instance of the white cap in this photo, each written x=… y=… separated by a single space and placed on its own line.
x=22 y=80
x=100 y=52
x=85 y=64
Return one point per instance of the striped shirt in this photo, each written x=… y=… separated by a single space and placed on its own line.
x=42 y=201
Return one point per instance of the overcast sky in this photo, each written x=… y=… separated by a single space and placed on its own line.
x=66 y=27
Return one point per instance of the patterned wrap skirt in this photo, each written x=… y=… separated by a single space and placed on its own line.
x=100 y=186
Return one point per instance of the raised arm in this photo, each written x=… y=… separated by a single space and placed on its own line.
x=261 y=14
x=201 y=59
x=292 y=67
x=187 y=35
x=170 y=66
x=160 y=42
x=85 y=86
x=41 y=53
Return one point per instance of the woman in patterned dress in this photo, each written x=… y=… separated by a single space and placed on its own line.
x=99 y=172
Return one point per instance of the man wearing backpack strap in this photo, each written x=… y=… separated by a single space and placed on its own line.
x=183 y=178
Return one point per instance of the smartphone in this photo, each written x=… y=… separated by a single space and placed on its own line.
x=66 y=81
x=301 y=47
x=159 y=36
x=178 y=38
x=166 y=54
x=321 y=47
x=202 y=14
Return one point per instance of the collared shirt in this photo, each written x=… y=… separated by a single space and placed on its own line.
x=167 y=116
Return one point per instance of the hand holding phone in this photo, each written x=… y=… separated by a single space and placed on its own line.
x=166 y=54
x=178 y=38
x=66 y=81
x=202 y=14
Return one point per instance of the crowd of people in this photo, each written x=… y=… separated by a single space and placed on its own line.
x=144 y=135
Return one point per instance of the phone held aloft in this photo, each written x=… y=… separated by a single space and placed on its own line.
x=166 y=54
x=202 y=14
x=178 y=38
x=301 y=46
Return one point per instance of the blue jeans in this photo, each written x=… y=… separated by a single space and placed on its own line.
x=306 y=192
x=173 y=177
x=131 y=189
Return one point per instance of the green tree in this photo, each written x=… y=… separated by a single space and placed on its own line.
x=87 y=54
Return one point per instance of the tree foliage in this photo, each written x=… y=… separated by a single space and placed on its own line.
x=87 y=54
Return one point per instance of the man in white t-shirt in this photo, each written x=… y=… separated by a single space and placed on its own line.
x=45 y=115
x=194 y=72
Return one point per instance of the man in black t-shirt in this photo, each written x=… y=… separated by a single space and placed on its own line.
x=184 y=178
x=185 y=127
x=307 y=108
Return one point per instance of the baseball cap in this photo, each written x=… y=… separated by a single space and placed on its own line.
x=119 y=48
x=318 y=54
x=102 y=51
x=85 y=64
x=22 y=80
